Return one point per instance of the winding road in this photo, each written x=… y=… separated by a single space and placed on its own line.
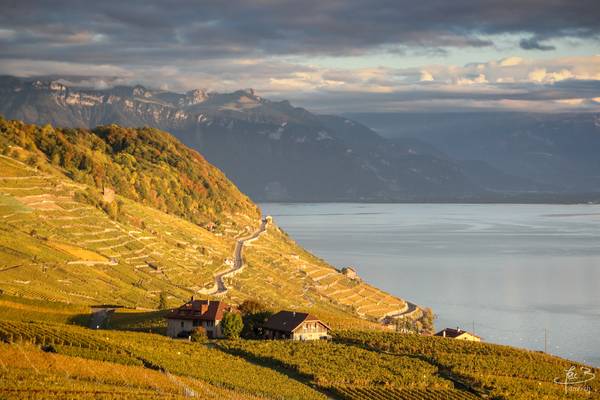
x=410 y=308
x=238 y=261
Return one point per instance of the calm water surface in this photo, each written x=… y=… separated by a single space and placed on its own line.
x=511 y=270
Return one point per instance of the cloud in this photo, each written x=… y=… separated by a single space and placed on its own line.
x=510 y=61
x=534 y=44
x=506 y=83
x=426 y=76
x=155 y=32
x=479 y=79
x=268 y=45
x=541 y=75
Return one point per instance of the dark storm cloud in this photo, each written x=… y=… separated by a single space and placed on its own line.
x=534 y=44
x=156 y=31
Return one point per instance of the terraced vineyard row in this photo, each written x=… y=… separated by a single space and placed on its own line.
x=147 y=251
x=275 y=258
x=63 y=237
x=146 y=247
x=390 y=393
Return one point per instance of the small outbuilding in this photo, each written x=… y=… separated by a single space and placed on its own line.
x=207 y=314
x=350 y=273
x=296 y=326
x=458 y=334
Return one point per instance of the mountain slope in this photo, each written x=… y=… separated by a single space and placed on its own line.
x=63 y=239
x=270 y=149
x=557 y=152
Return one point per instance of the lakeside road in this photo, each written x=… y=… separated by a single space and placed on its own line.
x=410 y=308
x=238 y=260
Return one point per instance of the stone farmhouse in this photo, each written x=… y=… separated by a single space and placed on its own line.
x=197 y=313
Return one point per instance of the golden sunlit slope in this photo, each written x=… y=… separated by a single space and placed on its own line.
x=68 y=361
x=63 y=239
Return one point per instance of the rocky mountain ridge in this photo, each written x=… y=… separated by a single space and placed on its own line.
x=270 y=149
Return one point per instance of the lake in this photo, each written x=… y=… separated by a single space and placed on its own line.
x=514 y=272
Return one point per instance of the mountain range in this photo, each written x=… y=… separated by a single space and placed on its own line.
x=559 y=152
x=272 y=150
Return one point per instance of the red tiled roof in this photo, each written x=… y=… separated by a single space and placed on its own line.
x=289 y=321
x=203 y=310
x=453 y=333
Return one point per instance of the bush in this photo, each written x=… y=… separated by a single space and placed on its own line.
x=232 y=325
x=199 y=335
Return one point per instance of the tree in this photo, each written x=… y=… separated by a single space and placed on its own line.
x=427 y=320
x=162 y=301
x=252 y=307
x=254 y=315
x=232 y=325
x=253 y=324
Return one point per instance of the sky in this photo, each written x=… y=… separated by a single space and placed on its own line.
x=326 y=55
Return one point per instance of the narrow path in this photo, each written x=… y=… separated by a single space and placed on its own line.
x=238 y=261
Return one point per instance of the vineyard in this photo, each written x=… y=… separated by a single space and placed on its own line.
x=274 y=257
x=24 y=309
x=492 y=370
x=62 y=239
x=355 y=365
x=26 y=372
x=158 y=353
x=332 y=364
x=64 y=247
x=387 y=393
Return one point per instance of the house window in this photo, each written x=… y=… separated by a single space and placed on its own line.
x=182 y=324
x=196 y=322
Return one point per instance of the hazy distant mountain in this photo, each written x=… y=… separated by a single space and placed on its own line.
x=561 y=152
x=271 y=150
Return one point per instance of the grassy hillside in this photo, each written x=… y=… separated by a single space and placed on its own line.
x=355 y=365
x=170 y=227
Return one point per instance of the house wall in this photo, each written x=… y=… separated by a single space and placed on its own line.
x=310 y=331
x=468 y=337
x=176 y=326
x=213 y=330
